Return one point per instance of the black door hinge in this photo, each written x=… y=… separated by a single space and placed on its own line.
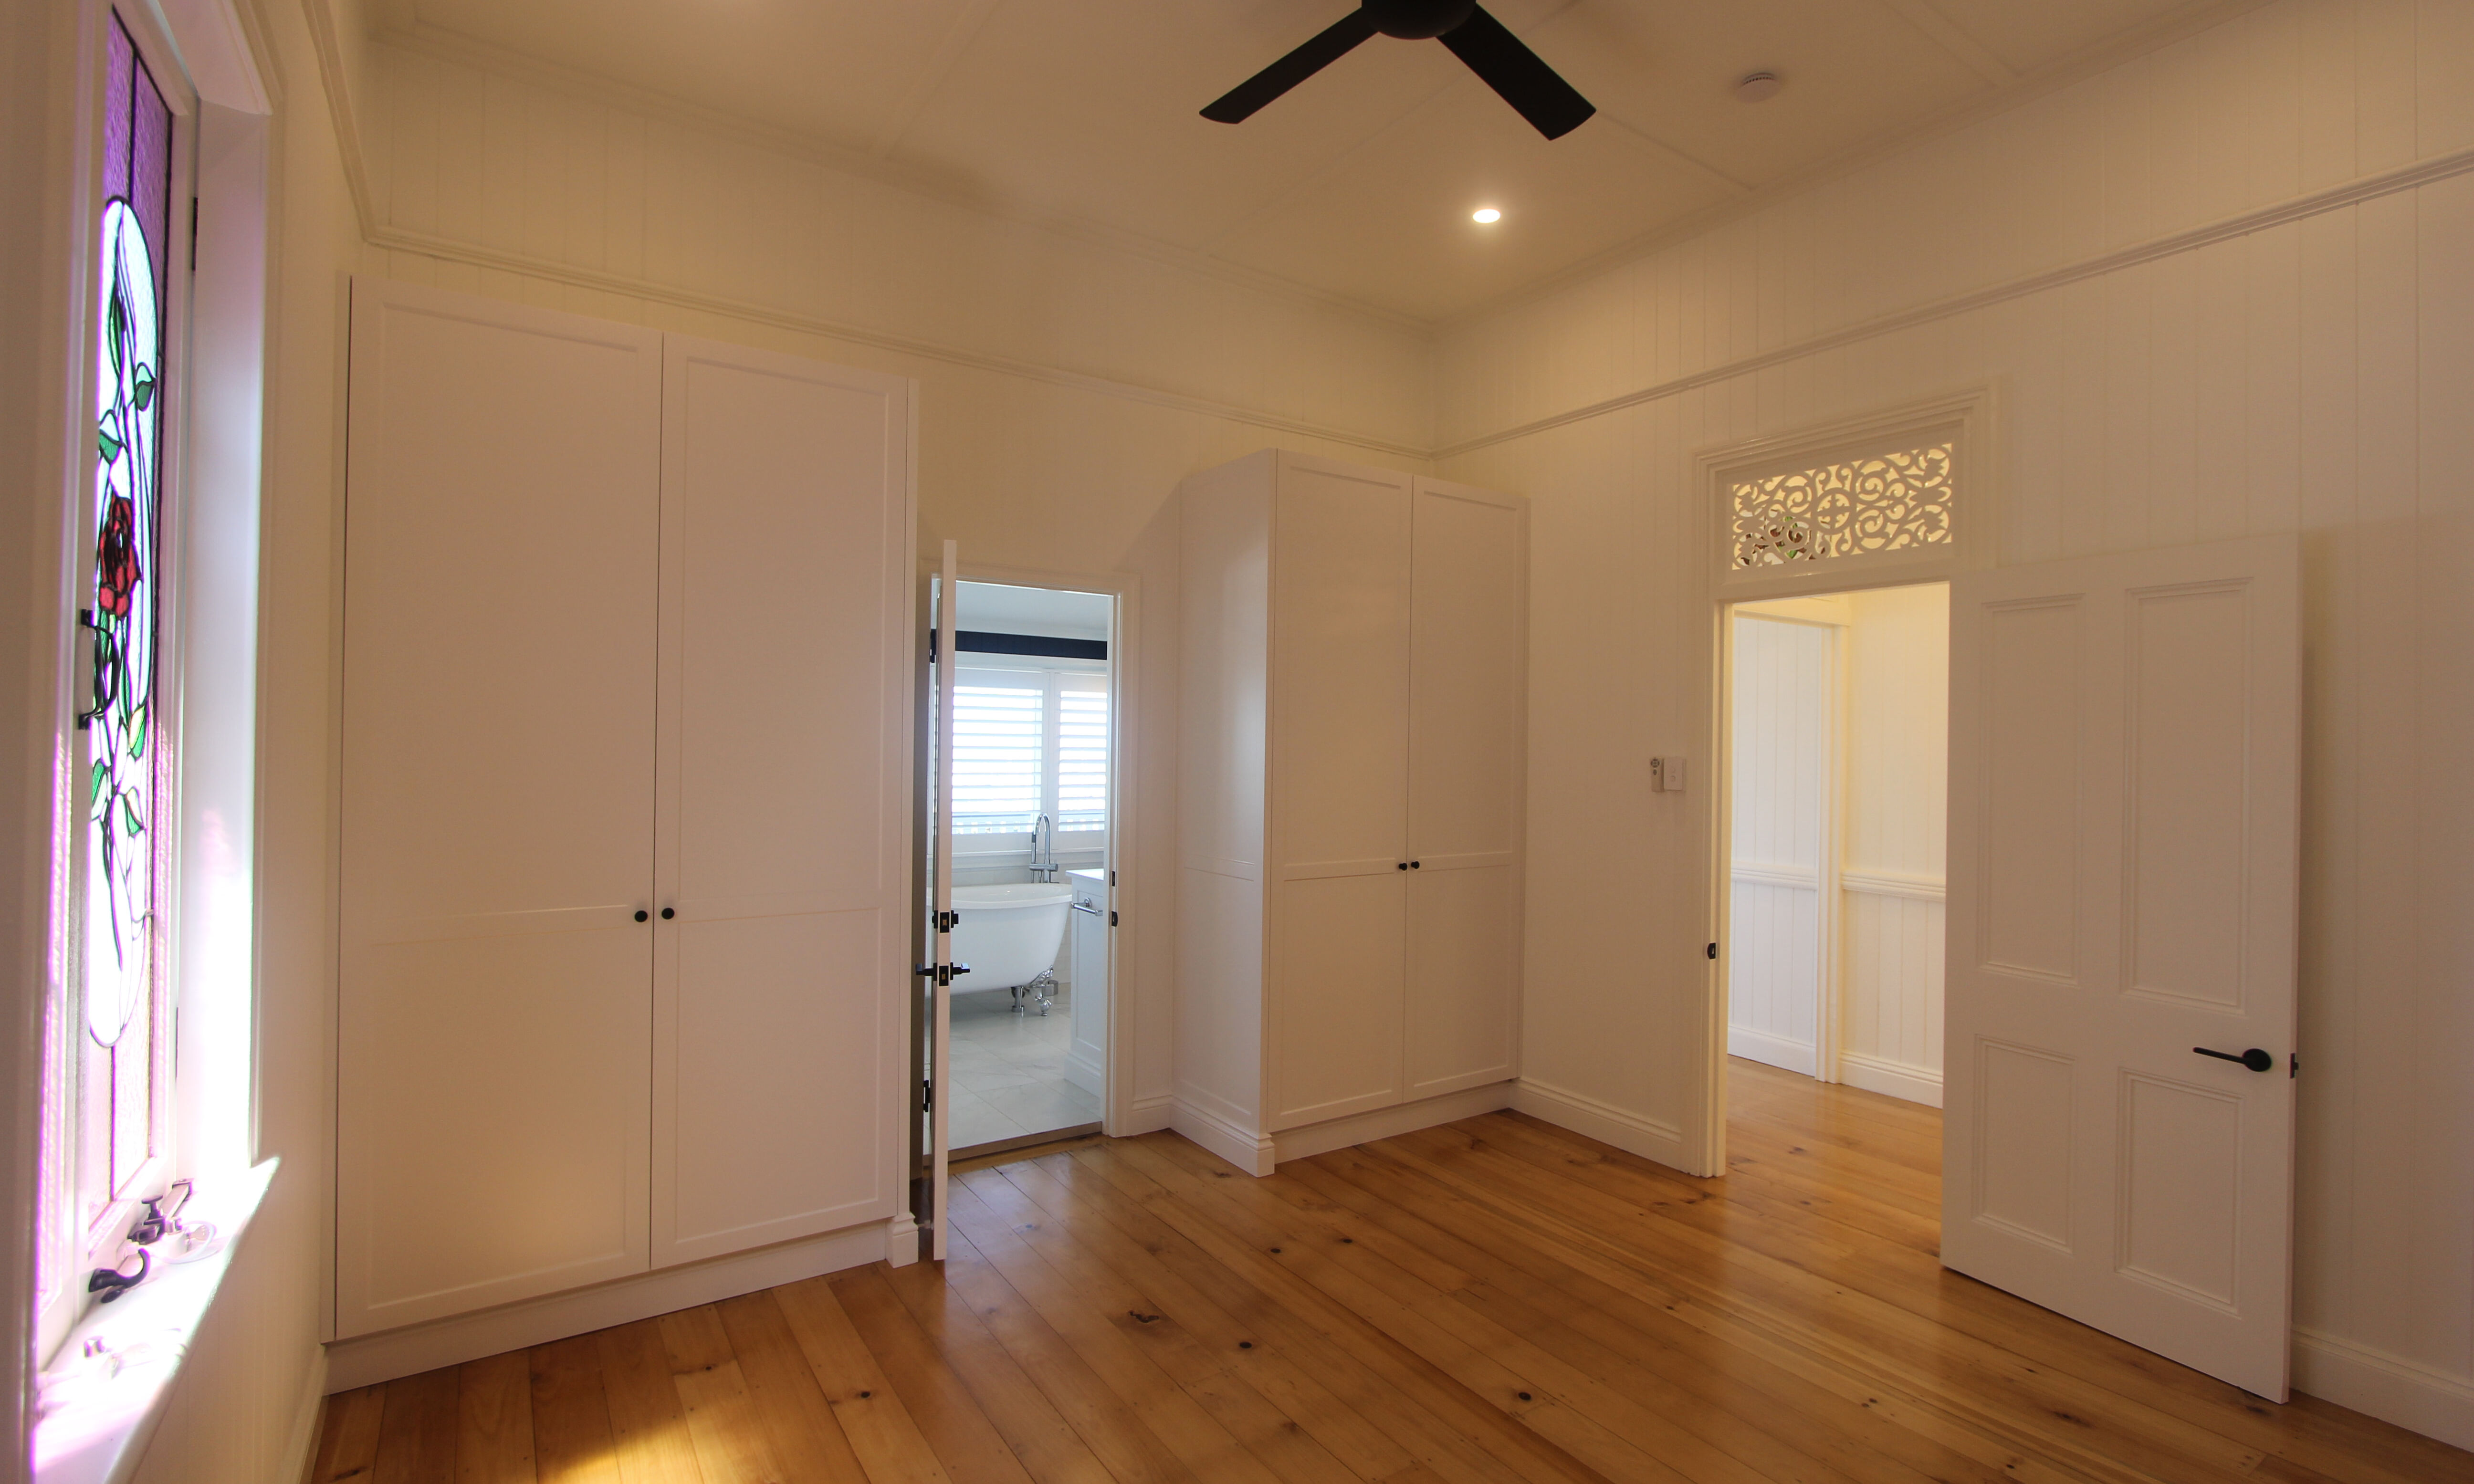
x=2293 y=1063
x=1112 y=919
x=932 y=645
x=1713 y=950
x=193 y=234
x=926 y=1097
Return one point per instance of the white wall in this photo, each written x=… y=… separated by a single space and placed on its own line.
x=246 y=1398
x=37 y=111
x=2307 y=369
x=1890 y=863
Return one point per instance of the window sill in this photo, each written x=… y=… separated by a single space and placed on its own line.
x=102 y=1394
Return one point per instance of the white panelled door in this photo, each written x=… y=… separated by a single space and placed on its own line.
x=1340 y=720
x=783 y=807
x=935 y=1212
x=494 y=1016
x=1471 y=569
x=2124 y=808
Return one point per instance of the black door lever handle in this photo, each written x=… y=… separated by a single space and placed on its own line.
x=2254 y=1058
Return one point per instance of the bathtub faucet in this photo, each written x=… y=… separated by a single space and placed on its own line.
x=1043 y=849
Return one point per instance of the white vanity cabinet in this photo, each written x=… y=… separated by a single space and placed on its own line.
x=1353 y=698
x=624 y=803
x=1086 y=1052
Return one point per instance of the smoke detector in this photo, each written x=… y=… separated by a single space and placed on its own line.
x=1758 y=88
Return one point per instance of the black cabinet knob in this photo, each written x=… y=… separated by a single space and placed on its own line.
x=1401 y=867
x=1412 y=865
x=641 y=914
x=667 y=914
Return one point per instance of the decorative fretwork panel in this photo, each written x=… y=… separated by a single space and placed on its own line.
x=1890 y=503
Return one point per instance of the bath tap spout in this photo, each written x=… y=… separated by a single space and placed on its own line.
x=1043 y=849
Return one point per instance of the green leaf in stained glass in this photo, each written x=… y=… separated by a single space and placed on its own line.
x=110 y=445
x=115 y=322
x=95 y=779
x=145 y=380
x=129 y=814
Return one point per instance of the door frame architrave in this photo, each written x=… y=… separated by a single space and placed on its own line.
x=1970 y=414
x=1124 y=686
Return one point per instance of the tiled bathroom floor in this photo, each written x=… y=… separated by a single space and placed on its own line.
x=1008 y=1072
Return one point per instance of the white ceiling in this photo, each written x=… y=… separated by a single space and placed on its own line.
x=1359 y=183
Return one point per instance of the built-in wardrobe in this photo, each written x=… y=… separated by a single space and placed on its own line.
x=624 y=813
x=1351 y=768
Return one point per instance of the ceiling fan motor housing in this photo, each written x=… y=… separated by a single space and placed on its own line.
x=1417 y=20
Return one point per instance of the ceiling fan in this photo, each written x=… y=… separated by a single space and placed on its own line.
x=1478 y=40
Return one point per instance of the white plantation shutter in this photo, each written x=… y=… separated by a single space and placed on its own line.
x=1081 y=759
x=1028 y=743
x=999 y=736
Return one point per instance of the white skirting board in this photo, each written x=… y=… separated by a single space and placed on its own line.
x=2390 y=1387
x=302 y=1443
x=369 y=1359
x=1259 y=1153
x=1150 y=1114
x=1608 y=1124
x=1891 y=1079
x=1770 y=1050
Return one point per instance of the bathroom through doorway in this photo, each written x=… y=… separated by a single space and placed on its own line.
x=1034 y=818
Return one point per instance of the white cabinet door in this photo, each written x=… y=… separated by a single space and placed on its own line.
x=497 y=776
x=1338 y=782
x=1468 y=671
x=2124 y=805
x=1086 y=1053
x=781 y=986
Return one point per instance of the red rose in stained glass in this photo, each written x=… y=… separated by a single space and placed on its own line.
x=116 y=572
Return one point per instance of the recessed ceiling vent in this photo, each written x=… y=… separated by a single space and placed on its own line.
x=1478 y=40
x=1758 y=88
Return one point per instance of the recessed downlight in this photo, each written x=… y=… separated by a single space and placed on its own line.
x=1485 y=215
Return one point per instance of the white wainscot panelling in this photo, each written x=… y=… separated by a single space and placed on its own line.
x=1890 y=1026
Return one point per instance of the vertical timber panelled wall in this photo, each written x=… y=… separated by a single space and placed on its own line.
x=1355 y=657
x=2220 y=291
x=624 y=821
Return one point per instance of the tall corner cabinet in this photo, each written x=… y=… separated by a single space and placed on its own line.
x=624 y=803
x=1354 y=712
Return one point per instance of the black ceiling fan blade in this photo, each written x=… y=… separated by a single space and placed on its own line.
x=1240 y=102
x=1531 y=86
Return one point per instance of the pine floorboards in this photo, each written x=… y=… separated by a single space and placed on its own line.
x=1493 y=1301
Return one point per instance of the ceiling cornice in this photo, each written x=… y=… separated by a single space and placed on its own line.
x=551 y=270
x=2241 y=223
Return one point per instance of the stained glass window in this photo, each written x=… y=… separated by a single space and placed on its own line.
x=127 y=767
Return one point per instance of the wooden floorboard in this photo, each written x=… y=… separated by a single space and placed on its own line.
x=1494 y=1301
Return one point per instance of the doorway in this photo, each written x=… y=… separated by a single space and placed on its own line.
x=1036 y=748
x=1838 y=719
